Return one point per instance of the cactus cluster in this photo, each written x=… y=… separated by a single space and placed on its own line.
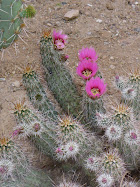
x=12 y=13
x=83 y=136
x=130 y=88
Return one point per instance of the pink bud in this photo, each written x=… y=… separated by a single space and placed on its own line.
x=117 y=77
x=71 y=148
x=104 y=180
x=91 y=160
x=133 y=136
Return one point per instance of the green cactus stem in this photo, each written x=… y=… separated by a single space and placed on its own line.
x=12 y=13
x=37 y=95
x=59 y=79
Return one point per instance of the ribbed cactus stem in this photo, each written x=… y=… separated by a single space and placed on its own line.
x=90 y=108
x=34 y=127
x=59 y=79
x=15 y=169
x=37 y=95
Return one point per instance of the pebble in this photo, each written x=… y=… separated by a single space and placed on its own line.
x=106 y=34
x=16 y=84
x=2 y=79
x=99 y=21
x=109 y=6
x=89 y=33
x=111 y=58
x=68 y=31
x=88 y=13
x=89 y=5
x=112 y=66
x=63 y=3
x=57 y=23
x=137 y=29
x=71 y=14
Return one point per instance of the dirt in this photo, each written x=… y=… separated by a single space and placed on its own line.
x=115 y=38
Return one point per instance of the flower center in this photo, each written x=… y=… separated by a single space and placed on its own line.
x=87 y=58
x=104 y=180
x=133 y=136
x=110 y=158
x=95 y=91
x=87 y=72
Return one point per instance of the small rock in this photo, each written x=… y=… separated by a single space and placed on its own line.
x=16 y=84
x=68 y=31
x=106 y=34
x=104 y=57
x=0 y=107
x=89 y=5
x=2 y=79
x=99 y=21
x=71 y=14
x=112 y=66
x=111 y=58
x=137 y=29
x=109 y=6
x=63 y=3
x=89 y=33
x=57 y=23
x=49 y=24
x=88 y=13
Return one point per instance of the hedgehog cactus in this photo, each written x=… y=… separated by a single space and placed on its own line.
x=12 y=13
x=120 y=131
x=59 y=79
x=37 y=94
x=33 y=126
x=131 y=91
x=15 y=169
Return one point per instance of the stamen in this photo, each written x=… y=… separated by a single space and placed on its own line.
x=87 y=72
x=95 y=91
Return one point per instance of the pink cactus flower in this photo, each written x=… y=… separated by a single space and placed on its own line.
x=59 y=39
x=86 y=70
x=17 y=132
x=88 y=53
x=95 y=87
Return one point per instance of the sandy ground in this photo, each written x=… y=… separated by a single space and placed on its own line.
x=116 y=40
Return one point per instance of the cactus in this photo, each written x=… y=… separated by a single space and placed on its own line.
x=15 y=168
x=33 y=126
x=130 y=91
x=93 y=104
x=37 y=95
x=59 y=79
x=11 y=20
x=120 y=131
